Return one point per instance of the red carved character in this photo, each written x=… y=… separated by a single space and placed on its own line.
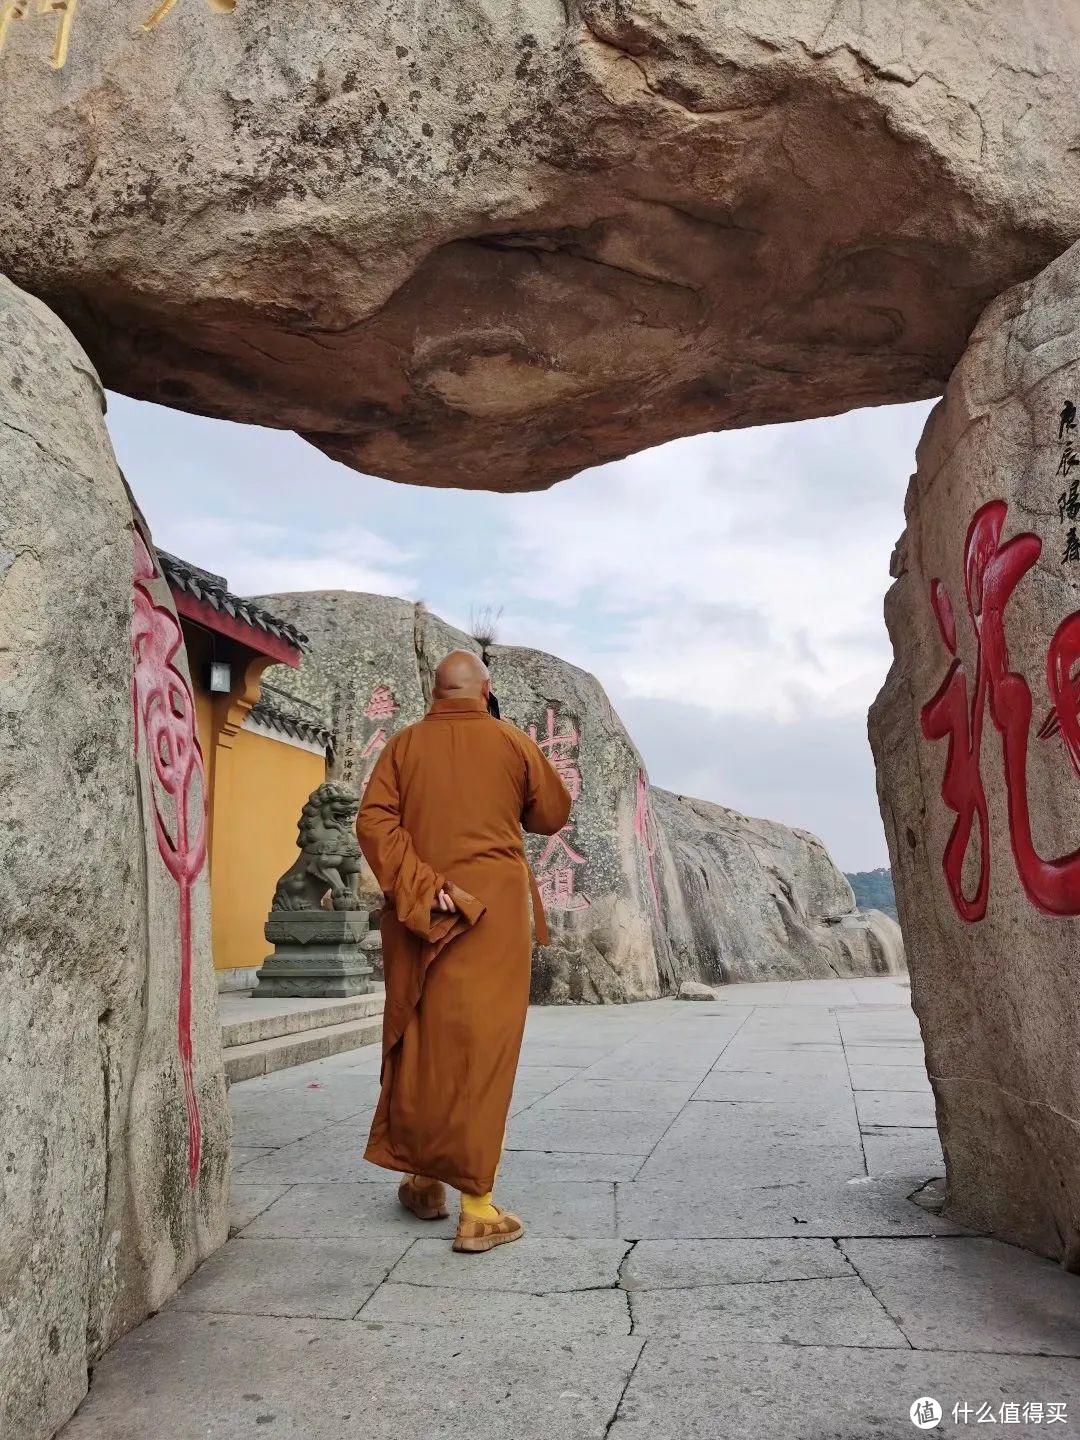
x=559 y=750
x=993 y=569
x=556 y=881
x=645 y=832
x=382 y=705
x=165 y=720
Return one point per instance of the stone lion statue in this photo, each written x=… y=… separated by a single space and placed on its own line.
x=329 y=856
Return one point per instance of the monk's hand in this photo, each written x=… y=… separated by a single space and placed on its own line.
x=446 y=901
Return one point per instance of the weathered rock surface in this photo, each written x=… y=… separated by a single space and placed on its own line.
x=100 y=1216
x=694 y=990
x=755 y=900
x=984 y=826
x=487 y=245
x=643 y=889
x=600 y=878
x=369 y=669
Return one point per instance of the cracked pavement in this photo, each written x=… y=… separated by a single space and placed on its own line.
x=719 y=1243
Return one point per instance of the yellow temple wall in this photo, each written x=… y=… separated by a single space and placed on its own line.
x=257 y=842
x=257 y=786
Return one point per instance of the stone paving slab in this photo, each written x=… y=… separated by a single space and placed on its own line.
x=587 y=1131
x=695 y=1208
x=778 y=1162
x=772 y=1085
x=890 y=1077
x=333 y=1153
x=972 y=1294
x=329 y=1278
x=492 y=1316
x=605 y=1096
x=721 y=1196
x=203 y=1377
x=248 y=1201
x=897 y=1151
x=544 y=1077
x=905 y=1108
x=821 y=992
x=740 y=1143
x=910 y=1054
x=284 y=1116
x=539 y=1267
x=639 y=1063
x=243 y=1154
x=697 y=1390
x=576 y=1056
x=680 y=1264
x=528 y=1167
x=820 y=1061
x=341 y=1210
x=838 y=1311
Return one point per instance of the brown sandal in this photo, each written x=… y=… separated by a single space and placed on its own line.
x=426 y=1202
x=474 y=1236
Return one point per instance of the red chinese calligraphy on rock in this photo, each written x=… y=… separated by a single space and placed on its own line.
x=165 y=722
x=557 y=876
x=993 y=568
x=645 y=833
x=560 y=750
x=382 y=705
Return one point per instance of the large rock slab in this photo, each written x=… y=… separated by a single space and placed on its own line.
x=977 y=742
x=489 y=245
x=369 y=667
x=642 y=889
x=755 y=900
x=600 y=877
x=116 y=1131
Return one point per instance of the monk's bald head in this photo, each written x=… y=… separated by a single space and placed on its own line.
x=462 y=676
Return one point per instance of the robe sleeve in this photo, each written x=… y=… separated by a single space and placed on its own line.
x=409 y=883
x=547 y=800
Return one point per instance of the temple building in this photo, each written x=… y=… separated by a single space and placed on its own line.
x=264 y=750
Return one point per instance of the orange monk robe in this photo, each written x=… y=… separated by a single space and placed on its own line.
x=445 y=806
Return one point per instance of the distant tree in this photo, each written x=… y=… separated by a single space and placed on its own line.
x=874 y=890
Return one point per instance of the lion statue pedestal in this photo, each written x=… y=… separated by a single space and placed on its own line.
x=320 y=952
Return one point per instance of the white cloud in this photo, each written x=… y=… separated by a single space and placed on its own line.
x=259 y=558
x=736 y=577
x=745 y=571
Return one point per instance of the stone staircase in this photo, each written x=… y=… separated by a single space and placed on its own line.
x=261 y=1036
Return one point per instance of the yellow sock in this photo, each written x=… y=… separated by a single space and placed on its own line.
x=478 y=1207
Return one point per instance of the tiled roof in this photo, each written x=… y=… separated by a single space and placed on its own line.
x=288 y=714
x=215 y=592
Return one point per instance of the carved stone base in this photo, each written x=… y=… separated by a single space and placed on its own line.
x=318 y=954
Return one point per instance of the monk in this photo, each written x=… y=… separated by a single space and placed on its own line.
x=440 y=825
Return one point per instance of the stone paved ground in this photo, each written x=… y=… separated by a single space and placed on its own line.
x=720 y=1244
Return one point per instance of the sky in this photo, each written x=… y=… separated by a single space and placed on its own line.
x=726 y=589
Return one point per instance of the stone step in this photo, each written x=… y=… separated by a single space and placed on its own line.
x=263 y=1057
x=245 y=1020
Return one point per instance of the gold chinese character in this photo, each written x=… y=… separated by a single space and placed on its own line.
x=224 y=7
x=64 y=9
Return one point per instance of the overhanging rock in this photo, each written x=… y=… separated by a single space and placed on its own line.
x=496 y=244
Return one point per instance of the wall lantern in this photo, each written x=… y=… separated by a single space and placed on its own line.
x=220 y=677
